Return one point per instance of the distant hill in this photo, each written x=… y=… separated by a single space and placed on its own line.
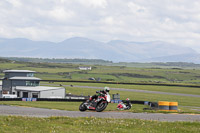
x=84 y=48
x=2 y=60
x=53 y=60
x=43 y=61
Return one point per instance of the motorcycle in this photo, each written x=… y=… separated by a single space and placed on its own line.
x=124 y=106
x=99 y=104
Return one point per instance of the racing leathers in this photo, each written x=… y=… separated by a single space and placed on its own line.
x=94 y=97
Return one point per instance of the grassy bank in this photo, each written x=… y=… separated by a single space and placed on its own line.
x=70 y=106
x=171 y=89
x=74 y=106
x=16 y=124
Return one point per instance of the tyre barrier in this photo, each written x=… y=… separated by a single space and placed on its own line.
x=168 y=106
x=173 y=106
x=163 y=106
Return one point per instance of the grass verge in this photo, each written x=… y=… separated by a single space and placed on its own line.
x=17 y=124
x=74 y=106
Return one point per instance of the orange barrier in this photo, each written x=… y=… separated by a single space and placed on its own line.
x=163 y=106
x=173 y=106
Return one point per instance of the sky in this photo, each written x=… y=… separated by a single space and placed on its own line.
x=174 y=21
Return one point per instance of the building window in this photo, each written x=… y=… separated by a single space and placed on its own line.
x=28 y=83
x=29 y=74
x=6 y=75
x=32 y=83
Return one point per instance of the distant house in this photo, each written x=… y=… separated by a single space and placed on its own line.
x=85 y=68
x=23 y=84
x=91 y=78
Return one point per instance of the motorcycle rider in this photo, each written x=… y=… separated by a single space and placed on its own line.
x=99 y=93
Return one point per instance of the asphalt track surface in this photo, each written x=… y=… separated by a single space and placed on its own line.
x=131 y=90
x=40 y=112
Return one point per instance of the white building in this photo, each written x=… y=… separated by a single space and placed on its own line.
x=22 y=83
x=85 y=68
x=40 y=92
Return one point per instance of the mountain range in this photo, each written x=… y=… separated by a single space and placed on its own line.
x=84 y=48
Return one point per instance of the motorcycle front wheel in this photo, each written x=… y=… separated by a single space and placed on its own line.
x=101 y=106
x=82 y=107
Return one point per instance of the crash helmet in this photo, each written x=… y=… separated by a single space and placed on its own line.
x=127 y=99
x=107 y=89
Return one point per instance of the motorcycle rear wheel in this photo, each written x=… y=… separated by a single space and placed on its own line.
x=128 y=106
x=101 y=106
x=82 y=107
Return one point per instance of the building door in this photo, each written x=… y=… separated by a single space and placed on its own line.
x=25 y=94
x=35 y=95
x=18 y=94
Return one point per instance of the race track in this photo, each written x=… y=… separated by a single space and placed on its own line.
x=40 y=112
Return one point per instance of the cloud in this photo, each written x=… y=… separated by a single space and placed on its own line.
x=174 y=21
x=135 y=8
x=61 y=14
x=14 y=3
x=94 y=3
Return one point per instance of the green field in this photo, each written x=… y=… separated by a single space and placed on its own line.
x=121 y=73
x=16 y=124
x=114 y=72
